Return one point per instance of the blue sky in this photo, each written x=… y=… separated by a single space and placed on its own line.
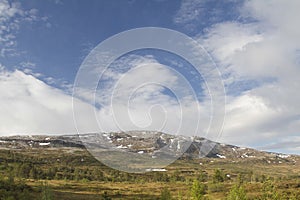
x=254 y=44
x=59 y=43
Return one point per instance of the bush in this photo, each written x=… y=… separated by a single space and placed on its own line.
x=237 y=192
x=218 y=176
x=46 y=192
x=12 y=190
x=165 y=194
x=202 y=177
x=216 y=187
x=105 y=196
x=198 y=190
x=270 y=191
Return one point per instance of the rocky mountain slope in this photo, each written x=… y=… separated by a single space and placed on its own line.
x=146 y=142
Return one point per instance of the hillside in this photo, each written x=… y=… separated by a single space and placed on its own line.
x=145 y=142
x=34 y=167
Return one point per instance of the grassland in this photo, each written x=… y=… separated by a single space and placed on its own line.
x=72 y=173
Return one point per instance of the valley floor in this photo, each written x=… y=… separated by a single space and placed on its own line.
x=72 y=173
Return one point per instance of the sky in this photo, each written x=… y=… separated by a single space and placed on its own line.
x=254 y=44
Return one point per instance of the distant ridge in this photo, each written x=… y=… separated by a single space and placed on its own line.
x=147 y=142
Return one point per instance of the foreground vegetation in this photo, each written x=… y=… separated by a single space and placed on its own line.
x=74 y=174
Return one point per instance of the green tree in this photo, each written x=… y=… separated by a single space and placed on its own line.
x=251 y=176
x=33 y=173
x=218 y=176
x=237 y=192
x=202 y=177
x=76 y=174
x=176 y=176
x=98 y=175
x=165 y=194
x=11 y=179
x=198 y=190
x=269 y=191
x=24 y=170
x=11 y=189
x=294 y=196
x=46 y=192
x=179 y=196
x=105 y=196
x=51 y=173
x=240 y=179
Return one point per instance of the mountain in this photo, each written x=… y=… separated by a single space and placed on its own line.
x=148 y=143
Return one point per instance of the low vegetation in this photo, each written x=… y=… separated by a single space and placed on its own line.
x=74 y=174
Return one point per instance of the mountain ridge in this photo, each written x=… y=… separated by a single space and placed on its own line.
x=147 y=142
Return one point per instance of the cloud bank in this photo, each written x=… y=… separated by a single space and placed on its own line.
x=263 y=49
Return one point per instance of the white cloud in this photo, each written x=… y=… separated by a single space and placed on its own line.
x=139 y=102
x=193 y=14
x=226 y=39
x=189 y=10
x=11 y=16
x=136 y=99
x=266 y=48
x=287 y=144
x=29 y=106
x=27 y=65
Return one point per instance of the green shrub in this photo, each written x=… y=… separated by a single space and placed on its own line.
x=219 y=176
x=46 y=192
x=237 y=192
x=198 y=190
x=216 y=187
x=165 y=194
